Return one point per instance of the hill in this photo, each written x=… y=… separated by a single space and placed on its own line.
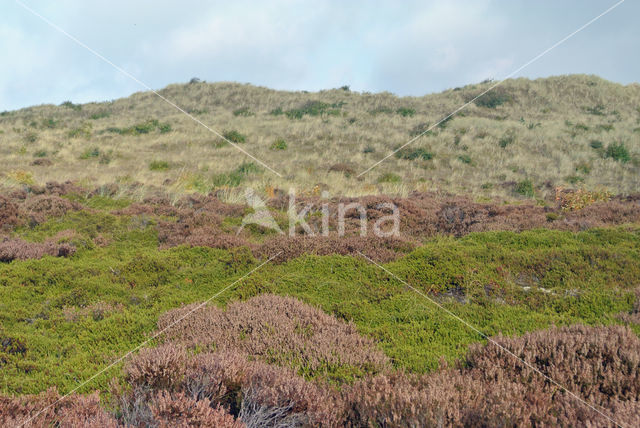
x=135 y=292
x=522 y=139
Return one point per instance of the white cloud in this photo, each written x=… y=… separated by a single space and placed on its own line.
x=412 y=47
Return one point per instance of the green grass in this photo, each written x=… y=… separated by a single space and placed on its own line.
x=525 y=188
x=587 y=277
x=413 y=154
x=279 y=144
x=158 y=165
x=237 y=176
x=618 y=152
x=234 y=136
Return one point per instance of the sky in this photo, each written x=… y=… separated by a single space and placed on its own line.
x=403 y=47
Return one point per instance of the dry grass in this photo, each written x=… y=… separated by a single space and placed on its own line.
x=546 y=130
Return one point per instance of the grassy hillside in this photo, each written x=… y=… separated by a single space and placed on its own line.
x=521 y=140
x=520 y=215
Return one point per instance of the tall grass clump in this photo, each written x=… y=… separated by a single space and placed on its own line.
x=413 y=154
x=493 y=98
x=617 y=152
x=525 y=188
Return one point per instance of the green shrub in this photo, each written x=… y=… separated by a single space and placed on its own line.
x=584 y=168
x=90 y=153
x=597 y=110
x=279 y=144
x=420 y=129
x=406 y=111
x=314 y=108
x=50 y=123
x=247 y=168
x=493 y=98
x=158 y=165
x=552 y=217
x=234 y=136
x=369 y=149
x=277 y=111
x=444 y=122
x=381 y=109
x=605 y=127
x=506 y=140
x=389 y=177
x=574 y=179
x=30 y=137
x=164 y=128
x=525 y=188
x=244 y=112
x=596 y=144
x=617 y=152
x=237 y=176
x=72 y=106
x=465 y=159
x=40 y=154
x=413 y=154
x=100 y=115
x=144 y=128
x=83 y=131
x=486 y=186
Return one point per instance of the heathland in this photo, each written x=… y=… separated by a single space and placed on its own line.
x=519 y=221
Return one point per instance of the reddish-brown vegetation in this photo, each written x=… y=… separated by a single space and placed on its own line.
x=18 y=249
x=9 y=214
x=599 y=365
x=41 y=207
x=275 y=329
x=46 y=409
x=284 y=248
x=199 y=220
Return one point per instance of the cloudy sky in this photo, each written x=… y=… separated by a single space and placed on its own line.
x=408 y=48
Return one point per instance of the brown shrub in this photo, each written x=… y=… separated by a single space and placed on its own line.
x=9 y=214
x=178 y=410
x=45 y=409
x=42 y=162
x=209 y=237
x=449 y=398
x=275 y=329
x=41 y=207
x=60 y=189
x=616 y=211
x=157 y=368
x=218 y=377
x=378 y=249
x=344 y=168
x=275 y=396
x=18 y=249
x=599 y=364
x=168 y=382
x=427 y=214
